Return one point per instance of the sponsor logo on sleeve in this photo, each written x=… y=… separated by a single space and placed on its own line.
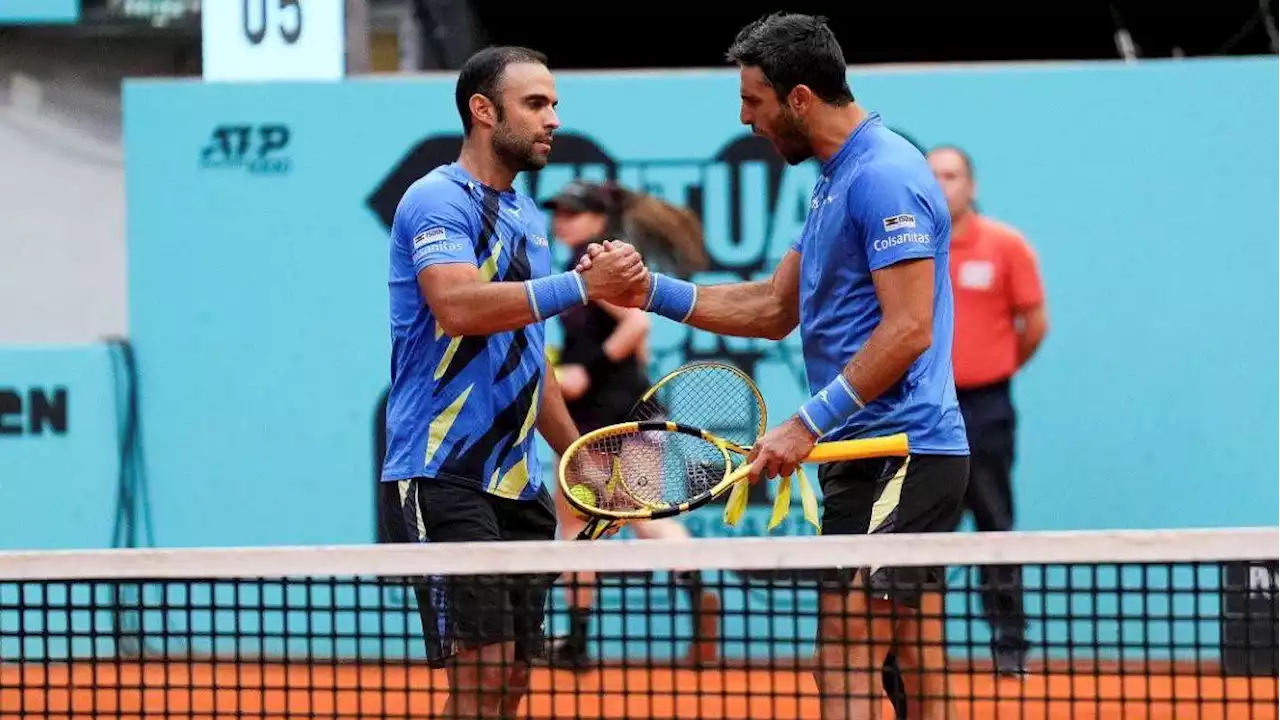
x=427 y=237
x=905 y=221
x=433 y=241
x=902 y=239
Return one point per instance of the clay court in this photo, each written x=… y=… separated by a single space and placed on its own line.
x=252 y=691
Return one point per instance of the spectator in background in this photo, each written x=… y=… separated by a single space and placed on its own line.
x=602 y=373
x=1000 y=321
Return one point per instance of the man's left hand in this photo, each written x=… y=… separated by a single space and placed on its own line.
x=781 y=450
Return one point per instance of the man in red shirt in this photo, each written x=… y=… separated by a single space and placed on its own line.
x=1000 y=320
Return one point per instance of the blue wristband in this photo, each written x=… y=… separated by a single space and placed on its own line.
x=553 y=294
x=833 y=405
x=671 y=298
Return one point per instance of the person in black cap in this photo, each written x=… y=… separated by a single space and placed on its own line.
x=601 y=365
x=602 y=373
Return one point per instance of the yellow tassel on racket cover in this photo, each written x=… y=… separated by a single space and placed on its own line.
x=809 y=501
x=737 y=503
x=736 y=506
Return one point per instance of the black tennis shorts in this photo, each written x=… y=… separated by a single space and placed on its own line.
x=915 y=494
x=460 y=612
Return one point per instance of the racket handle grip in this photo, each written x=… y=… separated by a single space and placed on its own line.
x=859 y=449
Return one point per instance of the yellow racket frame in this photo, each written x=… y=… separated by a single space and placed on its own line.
x=594 y=528
x=887 y=446
x=738 y=499
x=703 y=366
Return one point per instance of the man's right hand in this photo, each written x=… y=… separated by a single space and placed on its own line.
x=584 y=262
x=615 y=274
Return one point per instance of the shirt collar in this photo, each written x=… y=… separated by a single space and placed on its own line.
x=853 y=145
x=460 y=175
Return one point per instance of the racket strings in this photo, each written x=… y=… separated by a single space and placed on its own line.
x=710 y=397
x=643 y=470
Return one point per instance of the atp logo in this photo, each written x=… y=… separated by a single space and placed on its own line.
x=256 y=149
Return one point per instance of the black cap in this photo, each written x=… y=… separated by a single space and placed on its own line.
x=581 y=196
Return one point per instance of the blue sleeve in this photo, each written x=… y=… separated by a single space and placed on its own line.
x=896 y=219
x=435 y=225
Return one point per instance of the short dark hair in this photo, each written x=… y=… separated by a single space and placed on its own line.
x=482 y=75
x=965 y=157
x=792 y=49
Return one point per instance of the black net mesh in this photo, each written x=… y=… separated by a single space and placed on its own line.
x=686 y=629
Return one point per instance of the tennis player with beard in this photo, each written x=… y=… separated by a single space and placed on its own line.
x=471 y=285
x=867 y=283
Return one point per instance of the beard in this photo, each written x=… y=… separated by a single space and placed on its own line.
x=792 y=142
x=516 y=152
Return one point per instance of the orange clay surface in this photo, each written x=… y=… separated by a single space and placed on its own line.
x=249 y=690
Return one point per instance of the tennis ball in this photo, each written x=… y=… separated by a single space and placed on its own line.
x=584 y=495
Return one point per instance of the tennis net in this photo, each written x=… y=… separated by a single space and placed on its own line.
x=1120 y=625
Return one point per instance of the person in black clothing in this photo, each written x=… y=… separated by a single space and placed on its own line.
x=602 y=373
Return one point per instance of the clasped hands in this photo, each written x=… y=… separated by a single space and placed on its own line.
x=614 y=272
x=618 y=275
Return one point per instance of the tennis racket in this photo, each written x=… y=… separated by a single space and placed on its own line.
x=713 y=396
x=720 y=398
x=724 y=400
x=648 y=470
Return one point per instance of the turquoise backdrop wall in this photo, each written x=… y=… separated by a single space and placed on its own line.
x=39 y=12
x=258 y=254
x=60 y=416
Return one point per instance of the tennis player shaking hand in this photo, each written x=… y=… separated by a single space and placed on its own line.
x=867 y=283
x=470 y=286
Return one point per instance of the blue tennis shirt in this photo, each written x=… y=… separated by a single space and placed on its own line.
x=876 y=204
x=463 y=409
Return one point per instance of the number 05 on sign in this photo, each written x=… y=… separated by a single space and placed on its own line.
x=247 y=40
